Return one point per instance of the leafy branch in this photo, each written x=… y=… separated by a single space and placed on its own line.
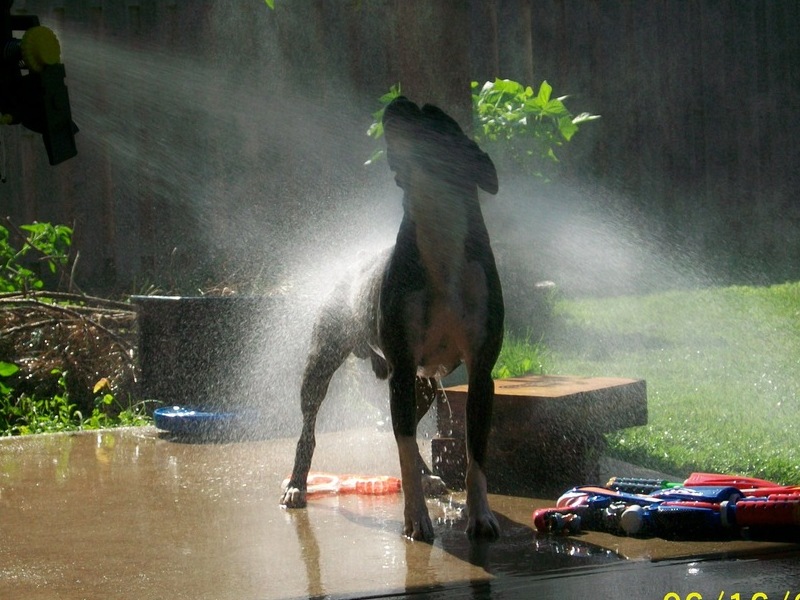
x=376 y=129
x=511 y=122
x=44 y=243
x=528 y=127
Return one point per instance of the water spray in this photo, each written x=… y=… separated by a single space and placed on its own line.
x=32 y=89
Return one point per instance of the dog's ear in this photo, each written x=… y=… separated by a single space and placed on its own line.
x=485 y=173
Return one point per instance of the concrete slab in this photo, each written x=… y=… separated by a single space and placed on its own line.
x=126 y=514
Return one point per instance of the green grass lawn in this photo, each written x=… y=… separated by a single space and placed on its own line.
x=722 y=367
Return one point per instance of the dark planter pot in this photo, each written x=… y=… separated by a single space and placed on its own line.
x=197 y=351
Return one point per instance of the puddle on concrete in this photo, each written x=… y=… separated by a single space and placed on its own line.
x=129 y=515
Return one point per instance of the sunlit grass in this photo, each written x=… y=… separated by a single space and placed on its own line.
x=722 y=368
x=520 y=356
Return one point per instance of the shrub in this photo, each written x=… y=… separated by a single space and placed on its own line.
x=511 y=122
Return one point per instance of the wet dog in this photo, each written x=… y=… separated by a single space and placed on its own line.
x=428 y=304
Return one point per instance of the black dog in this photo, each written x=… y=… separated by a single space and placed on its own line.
x=431 y=302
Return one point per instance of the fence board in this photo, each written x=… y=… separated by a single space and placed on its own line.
x=699 y=102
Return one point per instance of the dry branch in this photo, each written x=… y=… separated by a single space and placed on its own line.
x=88 y=338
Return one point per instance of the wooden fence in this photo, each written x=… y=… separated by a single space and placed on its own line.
x=182 y=177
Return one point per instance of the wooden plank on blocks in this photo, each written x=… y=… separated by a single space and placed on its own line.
x=569 y=403
x=547 y=431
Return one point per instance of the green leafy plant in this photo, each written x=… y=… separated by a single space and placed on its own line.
x=6 y=370
x=48 y=333
x=50 y=242
x=511 y=122
x=108 y=412
x=526 y=126
x=376 y=129
x=23 y=414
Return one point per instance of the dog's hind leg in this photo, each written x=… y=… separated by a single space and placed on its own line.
x=328 y=354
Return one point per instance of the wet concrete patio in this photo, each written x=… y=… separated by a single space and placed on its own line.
x=129 y=514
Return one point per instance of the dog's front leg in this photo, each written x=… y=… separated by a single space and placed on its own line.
x=427 y=392
x=480 y=396
x=329 y=352
x=294 y=496
x=418 y=524
x=313 y=392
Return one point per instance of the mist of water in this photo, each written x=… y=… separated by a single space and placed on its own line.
x=583 y=237
x=237 y=167
x=269 y=187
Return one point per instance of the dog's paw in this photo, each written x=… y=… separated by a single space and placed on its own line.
x=419 y=527
x=483 y=526
x=293 y=497
x=433 y=486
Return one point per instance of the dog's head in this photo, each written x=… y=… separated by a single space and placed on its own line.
x=429 y=140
